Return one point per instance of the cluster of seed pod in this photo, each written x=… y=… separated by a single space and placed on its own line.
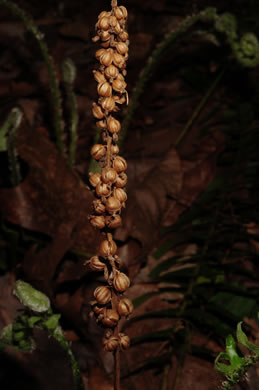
x=109 y=185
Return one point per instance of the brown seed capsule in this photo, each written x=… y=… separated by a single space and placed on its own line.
x=114 y=125
x=104 y=89
x=117 y=28
x=124 y=341
x=105 y=36
x=99 y=77
x=119 y=164
x=118 y=13
x=120 y=194
x=103 y=23
x=113 y=205
x=108 y=248
x=113 y=221
x=124 y=11
x=123 y=36
x=106 y=58
x=115 y=149
x=95 y=264
x=97 y=111
x=112 y=21
x=94 y=178
x=105 y=44
x=121 y=180
x=103 y=295
x=118 y=60
x=104 y=14
x=122 y=48
x=96 y=38
x=109 y=175
x=125 y=307
x=101 y=124
x=97 y=221
x=111 y=318
x=121 y=282
x=119 y=85
x=110 y=344
x=98 y=151
x=111 y=71
x=98 y=310
x=103 y=189
x=108 y=103
x=99 y=53
x=98 y=206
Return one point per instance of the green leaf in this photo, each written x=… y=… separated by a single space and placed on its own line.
x=30 y=297
x=243 y=340
x=52 y=322
x=7 y=334
x=235 y=360
x=32 y=321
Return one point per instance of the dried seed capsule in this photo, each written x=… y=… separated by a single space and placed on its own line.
x=104 y=14
x=106 y=58
x=99 y=53
x=123 y=36
x=98 y=206
x=118 y=60
x=117 y=28
x=113 y=21
x=111 y=71
x=124 y=341
x=103 y=189
x=98 y=151
x=111 y=318
x=94 y=178
x=97 y=111
x=119 y=85
x=114 y=125
x=97 y=221
x=110 y=344
x=113 y=221
x=125 y=307
x=105 y=36
x=121 y=180
x=105 y=44
x=122 y=48
x=118 y=13
x=98 y=310
x=103 y=295
x=108 y=103
x=99 y=77
x=95 y=264
x=120 y=194
x=102 y=124
x=104 y=23
x=121 y=282
x=104 y=89
x=109 y=175
x=115 y=149
x=113 y=205
x=124 y=11
x=96 y=38
x=108 y=248
x=119 y=164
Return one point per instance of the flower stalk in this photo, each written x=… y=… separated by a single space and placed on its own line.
x=109 y=185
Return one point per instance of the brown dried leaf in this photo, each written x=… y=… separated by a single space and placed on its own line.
x=51 y=195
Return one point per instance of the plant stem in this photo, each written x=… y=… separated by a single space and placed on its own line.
x=199 y=107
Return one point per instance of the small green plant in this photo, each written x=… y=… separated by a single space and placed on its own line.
x=237 y=365
x=36 y=314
